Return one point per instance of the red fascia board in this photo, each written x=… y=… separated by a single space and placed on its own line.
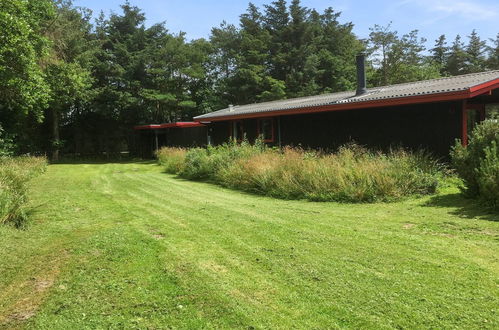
x=484 y=88
x=181 y=125
x=147 y=127
x=169 y=125
x=450 y=96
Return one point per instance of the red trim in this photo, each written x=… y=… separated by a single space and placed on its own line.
x=484 y=88
x=258 y=129
x=449 y=96
x=461 y=95
x=186 y=124
x=170 y=125
x=147 y=127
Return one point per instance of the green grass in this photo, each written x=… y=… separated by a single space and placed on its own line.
x=126 y=246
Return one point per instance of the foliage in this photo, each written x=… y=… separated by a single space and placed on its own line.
x=493 y=54
x=24 y=91
x=351 y=175
x=116 y=245
x=67 y=79
x=172 y=159
x=6 y=145
x=478 y=163
x=21 y=47
x=399 y=59
x=15 y=174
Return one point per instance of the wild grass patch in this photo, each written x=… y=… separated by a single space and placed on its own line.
x=15 y=174
x=353 y=174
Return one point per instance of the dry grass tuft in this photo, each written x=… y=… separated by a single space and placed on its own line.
x=15 y=174
x=353 y=174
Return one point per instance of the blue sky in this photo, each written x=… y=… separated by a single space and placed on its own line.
x=430 y=17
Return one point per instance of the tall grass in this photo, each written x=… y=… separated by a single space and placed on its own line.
x=353 y=174
x=15 y=174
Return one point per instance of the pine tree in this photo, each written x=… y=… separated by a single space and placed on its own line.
x=276 y=21
x=493 y=54
x=440 y=54
x=475 y=54
x=456 y=61
x=381 y=41
x=400 y=59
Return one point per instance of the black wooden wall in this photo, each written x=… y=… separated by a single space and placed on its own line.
x=433 y=127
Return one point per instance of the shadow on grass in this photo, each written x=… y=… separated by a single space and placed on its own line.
x=463 y=207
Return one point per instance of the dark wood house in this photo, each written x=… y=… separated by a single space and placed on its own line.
x=149 y=138
x=427 y=115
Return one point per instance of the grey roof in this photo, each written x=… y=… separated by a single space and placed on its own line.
x=426 y=87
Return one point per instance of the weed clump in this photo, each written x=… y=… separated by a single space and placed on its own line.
x=353 y=174
x=15 y=174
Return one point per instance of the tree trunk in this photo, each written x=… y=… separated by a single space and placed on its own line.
x=55 y=135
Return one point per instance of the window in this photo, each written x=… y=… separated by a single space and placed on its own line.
x=476 y=114
x=237 y=130
x=266 y=129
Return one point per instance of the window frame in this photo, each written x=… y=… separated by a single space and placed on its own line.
x=233 y=127
x=259 y=132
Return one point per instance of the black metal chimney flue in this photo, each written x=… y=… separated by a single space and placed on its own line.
x=361 y=74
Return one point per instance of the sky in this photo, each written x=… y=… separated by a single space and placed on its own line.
x=431 y=17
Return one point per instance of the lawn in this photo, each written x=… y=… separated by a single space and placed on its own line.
x=124 y=245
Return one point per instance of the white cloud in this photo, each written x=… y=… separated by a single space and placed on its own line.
x=469 y=10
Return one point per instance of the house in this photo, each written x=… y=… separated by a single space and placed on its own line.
x=149 y=138
x=429 y=114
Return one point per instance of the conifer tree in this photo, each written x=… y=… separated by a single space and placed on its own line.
x=475 y=54
x=440 y=54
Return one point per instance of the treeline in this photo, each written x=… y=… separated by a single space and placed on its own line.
x=80 y=86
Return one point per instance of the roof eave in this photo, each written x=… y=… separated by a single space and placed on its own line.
x=416 y=99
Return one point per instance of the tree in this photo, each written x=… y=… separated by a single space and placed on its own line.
x=67 y=67
x=23 y=47
x=276 y=21
x=381 y=41
x=493 y=54
x=456 y=61
x=399 y=59
x=475 y=54
x=336 y=47
x=440 y=54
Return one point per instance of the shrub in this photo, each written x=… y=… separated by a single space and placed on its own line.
x=6 y=144
x=198 y=165
x=352 y=175
x=15 y=173
x=478 y=163
x=173 y=159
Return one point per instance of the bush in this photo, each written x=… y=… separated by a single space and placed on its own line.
x=15 y=173
x=173 y=159
x=352 y=175
x=478 y=163
x=6 y=144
